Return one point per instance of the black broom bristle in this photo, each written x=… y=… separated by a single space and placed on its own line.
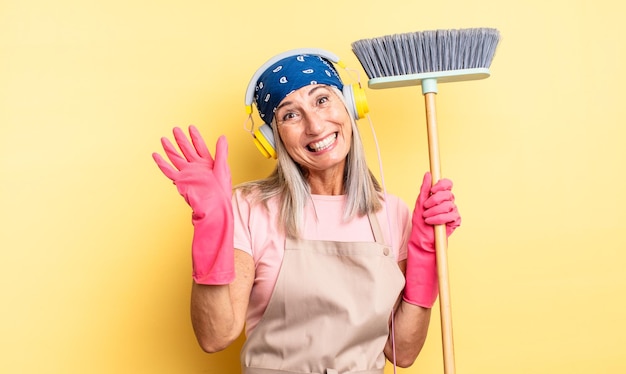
x=427 y=51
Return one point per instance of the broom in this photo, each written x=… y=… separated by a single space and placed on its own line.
x=425 y=58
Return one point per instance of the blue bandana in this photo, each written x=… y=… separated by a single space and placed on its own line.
x=288 y=75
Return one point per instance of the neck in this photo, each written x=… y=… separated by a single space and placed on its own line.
x=328 y=182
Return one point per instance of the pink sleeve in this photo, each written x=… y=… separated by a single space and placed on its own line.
x=255 y=232
x=404 y=222
x=395 y=221
x=241 y=214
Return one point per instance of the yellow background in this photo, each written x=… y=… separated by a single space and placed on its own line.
x=94 y=261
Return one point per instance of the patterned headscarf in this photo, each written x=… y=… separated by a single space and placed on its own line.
x=289 y=75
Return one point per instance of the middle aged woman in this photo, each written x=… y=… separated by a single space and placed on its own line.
x=326 y=273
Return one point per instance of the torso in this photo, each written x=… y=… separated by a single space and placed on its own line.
x=257 y=233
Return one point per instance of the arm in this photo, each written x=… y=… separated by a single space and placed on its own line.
x=434 y=206
x=411 y=327
x=218 y=311
x=222 y=276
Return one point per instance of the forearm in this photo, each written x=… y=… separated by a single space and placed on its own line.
x=218 y=311
x=410 y=330
x=212 y=316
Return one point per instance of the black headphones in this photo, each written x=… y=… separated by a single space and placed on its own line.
x=353 y=94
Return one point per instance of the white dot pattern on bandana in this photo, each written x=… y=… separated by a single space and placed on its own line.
x=289 y=75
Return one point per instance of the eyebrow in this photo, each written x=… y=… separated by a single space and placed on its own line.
x=310 y=93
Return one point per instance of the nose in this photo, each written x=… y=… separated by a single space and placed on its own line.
x=313 y=122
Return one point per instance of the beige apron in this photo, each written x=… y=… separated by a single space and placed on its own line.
x=329 y=311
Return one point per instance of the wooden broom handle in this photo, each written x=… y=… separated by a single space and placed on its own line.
x=441 y=240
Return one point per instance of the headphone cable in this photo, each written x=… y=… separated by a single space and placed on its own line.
x=382 y=181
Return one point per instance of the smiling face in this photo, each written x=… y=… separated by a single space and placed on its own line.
x=316 y=130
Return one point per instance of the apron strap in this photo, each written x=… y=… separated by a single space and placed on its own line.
x=378 y=233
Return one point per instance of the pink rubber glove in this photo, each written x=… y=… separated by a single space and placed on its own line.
x=434 y=206
x=205 y=184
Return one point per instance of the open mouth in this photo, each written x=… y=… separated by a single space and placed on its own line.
x=322 y=144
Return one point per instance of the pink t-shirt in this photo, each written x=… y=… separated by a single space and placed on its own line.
x=257 y=233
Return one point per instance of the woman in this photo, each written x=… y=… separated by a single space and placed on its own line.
x=326 y=274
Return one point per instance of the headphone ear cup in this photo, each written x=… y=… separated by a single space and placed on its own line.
x=264 y=140
x=356 y=100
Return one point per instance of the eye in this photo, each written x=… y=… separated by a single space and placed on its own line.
x=323 y=100
x=289 y=117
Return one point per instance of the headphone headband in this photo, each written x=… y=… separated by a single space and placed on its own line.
x=249 y=98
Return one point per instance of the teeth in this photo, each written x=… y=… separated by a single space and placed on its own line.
x=323 y=144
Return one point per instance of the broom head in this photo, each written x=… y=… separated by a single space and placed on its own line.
x=407 y=59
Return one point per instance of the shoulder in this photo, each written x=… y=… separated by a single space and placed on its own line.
x=397 y=212
x=394 y=204
x=256 y=227
x=250 y=201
